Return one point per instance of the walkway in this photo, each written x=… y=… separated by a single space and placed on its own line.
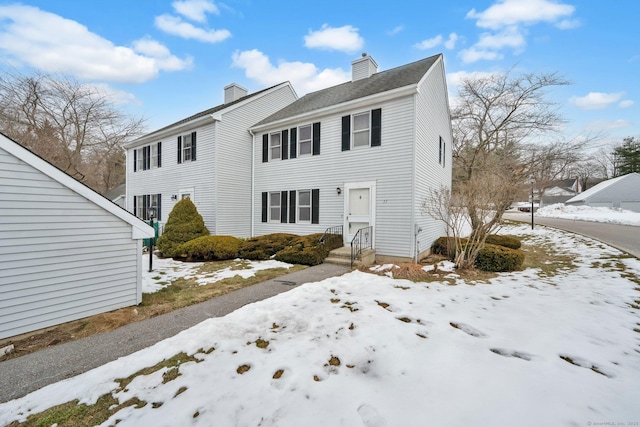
x=31 y=372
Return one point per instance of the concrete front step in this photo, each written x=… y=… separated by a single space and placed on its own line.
x=342 y=256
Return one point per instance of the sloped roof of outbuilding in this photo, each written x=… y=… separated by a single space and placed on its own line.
x=585 y=195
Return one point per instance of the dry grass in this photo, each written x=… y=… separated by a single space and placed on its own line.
x=181 y=293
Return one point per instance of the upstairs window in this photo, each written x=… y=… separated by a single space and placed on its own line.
x=187 y=147
x=361 y=125
x=362 y=130
x=275 y=144
x=305 y=140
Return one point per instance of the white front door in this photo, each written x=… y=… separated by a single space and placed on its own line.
x=359 y=200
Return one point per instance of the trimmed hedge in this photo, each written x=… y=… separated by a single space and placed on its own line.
x=304 y=250
x=491 y=257
x=264 y=247
x=506 y=241
x=184 y=224
x=210 y=248
x=499 y=258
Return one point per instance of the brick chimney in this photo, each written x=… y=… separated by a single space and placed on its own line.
x=233 y=92
x=363 y=68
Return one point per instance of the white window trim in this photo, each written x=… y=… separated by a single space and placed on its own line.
x=270 y=206
x=279 y=146
x=354 y=131
x=191 y=191
x=185 y=148
x=299 y=206
x=310 y=140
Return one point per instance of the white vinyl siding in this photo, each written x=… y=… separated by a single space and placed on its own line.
x=388 y=165
x=62 y=257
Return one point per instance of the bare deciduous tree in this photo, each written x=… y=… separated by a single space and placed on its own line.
x=494 y=121
x=73 y=125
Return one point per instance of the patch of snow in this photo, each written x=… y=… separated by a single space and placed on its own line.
x=361 y=349
x=588 y=213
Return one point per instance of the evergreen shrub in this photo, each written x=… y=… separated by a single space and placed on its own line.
x=264 y=247
x=506 y=241
x=305 y=250
x=499 y=258
x=210 y=248
x=184 y=224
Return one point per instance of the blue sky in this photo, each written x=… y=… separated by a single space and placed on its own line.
x=165 y=60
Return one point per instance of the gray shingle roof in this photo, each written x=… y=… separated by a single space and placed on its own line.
x=211 y=110
x=383 y=81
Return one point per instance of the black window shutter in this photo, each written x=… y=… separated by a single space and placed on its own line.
x=159 y=208
x=316 y=138
x=135 y=205
x=179 y=149
x=265 y=148
x=315 y=206
x=265 y=195
x=292 y=206
x=135 y=161
x=283 y=206
x=285 y=144
x=159 y=154
x=376 y=127
x=346 y=133
x=294 y=143
x=147 y=157
x=444 y=152
x=145 y=206
x=193 y=146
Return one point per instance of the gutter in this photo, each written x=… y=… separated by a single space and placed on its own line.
x=253 y=198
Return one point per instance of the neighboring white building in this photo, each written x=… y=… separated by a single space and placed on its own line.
x=205 y=157
x=621 y=192
x=66 y=252
x=363 y=153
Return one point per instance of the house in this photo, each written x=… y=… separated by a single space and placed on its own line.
x=365 y=153
x=117 y=195
x=559 y=191
x=621 y=192
x=205 y=157
x=66 y=252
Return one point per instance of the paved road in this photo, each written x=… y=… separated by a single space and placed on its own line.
x=25 y=374
x=623 y=237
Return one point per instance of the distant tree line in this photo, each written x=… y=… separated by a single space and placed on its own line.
x=75 y=126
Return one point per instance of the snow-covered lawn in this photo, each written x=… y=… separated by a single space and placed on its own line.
x=526 y=349
x=587 y=213
x=166 y=270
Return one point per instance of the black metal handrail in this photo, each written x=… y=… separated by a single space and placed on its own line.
x=362 y=240
x=331 y=232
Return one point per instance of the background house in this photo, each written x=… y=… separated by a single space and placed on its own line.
x=621 y=192
x=205 y=157
x=363 y=153
x=66 y=252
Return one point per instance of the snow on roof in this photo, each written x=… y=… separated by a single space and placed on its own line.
x=598 y=187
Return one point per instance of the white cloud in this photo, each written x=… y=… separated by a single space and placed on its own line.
x=596 y=100
x=474 y=54
x=51 y=43
x=304 y=76
x=514 y=12
x=345 y=39
x=568 y=24
x=196 y=10
x=176 y=26
x=509 y=37
x=429 y=43
x=396 y=30
x=455 y=79
x=626 y=103
x=451 y=41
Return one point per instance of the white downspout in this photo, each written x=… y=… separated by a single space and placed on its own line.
x=253 y=198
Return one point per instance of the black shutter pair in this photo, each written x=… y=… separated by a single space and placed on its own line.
x=283 y=206
x=289 y=143
x=193 y=147
x=376 y=130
